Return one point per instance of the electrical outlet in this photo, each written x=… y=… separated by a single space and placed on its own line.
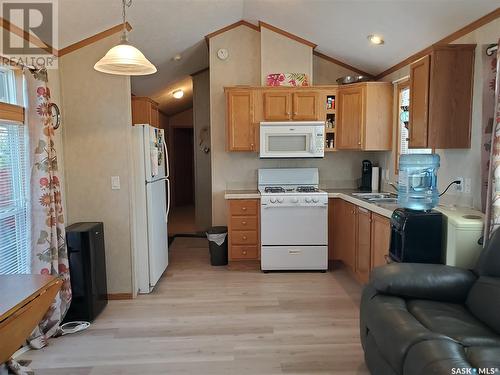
x=115 y=182
x=467 y=185
x=459 y=188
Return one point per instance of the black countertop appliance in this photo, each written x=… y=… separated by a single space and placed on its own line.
x=366 y=176
x=416 y=236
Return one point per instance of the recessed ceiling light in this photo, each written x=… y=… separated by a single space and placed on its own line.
x=375 y=39
x=177 y=94
x=178 y=57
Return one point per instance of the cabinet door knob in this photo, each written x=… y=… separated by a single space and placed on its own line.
x=243 y=208
x=244 y=237
x=243 y=223
x=244 y=252
x=359 y=143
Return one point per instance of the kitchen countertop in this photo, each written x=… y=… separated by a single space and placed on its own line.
x=242 y=194
x=383 y=209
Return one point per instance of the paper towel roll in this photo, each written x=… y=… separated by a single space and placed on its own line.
x=375 y=178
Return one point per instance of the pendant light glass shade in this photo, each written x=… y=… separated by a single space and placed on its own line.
x=125 y=59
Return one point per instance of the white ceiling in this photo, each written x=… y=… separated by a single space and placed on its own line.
x=164 y=28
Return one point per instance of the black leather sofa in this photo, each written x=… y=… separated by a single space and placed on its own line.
x=427 y=319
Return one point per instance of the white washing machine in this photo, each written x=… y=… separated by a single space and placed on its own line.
x=463 y=227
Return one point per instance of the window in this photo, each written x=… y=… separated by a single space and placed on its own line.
x=403 y=121
x=14 y=190
x=7 y=86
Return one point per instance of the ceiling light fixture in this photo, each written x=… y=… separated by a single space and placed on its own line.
x=178 y=57
x=125 y=59
x=375 y=39
x=177 y=94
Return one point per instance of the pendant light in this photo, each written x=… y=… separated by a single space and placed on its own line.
x=125 y=59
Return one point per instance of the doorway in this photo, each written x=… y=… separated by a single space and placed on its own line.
x=183 y=156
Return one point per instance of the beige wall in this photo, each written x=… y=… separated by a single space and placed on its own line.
x=462 y=162
x=326 y=73
x=237 y=170
x=184 y=118
x=282 y=54
x=97 y=140
x=201 y=119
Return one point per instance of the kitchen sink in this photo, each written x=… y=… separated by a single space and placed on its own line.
x=377 y=197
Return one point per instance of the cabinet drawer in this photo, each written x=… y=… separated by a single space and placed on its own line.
x=244 y=252
x=243 y=237
x=243 y=207
x=244 y=223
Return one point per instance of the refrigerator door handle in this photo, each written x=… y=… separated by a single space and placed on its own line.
x=167 y=164
x=158 y=179
x=168 y=197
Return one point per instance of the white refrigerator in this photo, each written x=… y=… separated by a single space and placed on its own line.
x=151 y=206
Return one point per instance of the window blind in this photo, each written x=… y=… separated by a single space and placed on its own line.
x=14 y=200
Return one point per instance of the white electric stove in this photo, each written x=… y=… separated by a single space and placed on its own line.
x=294 y=220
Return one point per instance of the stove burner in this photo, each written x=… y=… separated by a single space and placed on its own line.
x=307 y=189
x=274 y=189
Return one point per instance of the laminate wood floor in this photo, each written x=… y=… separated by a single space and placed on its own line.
x=209 y=320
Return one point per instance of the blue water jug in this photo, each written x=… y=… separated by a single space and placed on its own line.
x=418 y=181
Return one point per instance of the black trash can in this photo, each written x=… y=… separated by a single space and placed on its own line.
x=217 y=244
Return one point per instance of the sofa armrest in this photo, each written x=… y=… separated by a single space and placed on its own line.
x=423 y=281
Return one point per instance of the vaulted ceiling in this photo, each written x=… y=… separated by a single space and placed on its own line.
x=164 y=28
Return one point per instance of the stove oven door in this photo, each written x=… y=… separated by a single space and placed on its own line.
x=294 y=225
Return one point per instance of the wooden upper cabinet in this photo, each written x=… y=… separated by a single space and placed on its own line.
x=241 y=135
x=419 y=102
x=305 y=106
x=380 y=240
x=145 y=111
x=441 y=98
x=349 y=118
x=277 y=105
x=364 y=116
x=363 y=244
x=284 y=105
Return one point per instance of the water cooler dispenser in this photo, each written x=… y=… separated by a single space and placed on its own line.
x=416 y=229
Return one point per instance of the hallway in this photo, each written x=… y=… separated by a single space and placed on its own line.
x=207 y=320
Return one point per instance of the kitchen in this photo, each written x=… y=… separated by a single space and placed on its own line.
x=296 y=152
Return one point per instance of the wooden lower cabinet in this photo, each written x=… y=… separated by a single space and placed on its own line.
x=243 y=229
x=380 y=239
x=357 y=237
x=363 y=244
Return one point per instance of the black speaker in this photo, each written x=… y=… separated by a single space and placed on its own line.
x=87 y=267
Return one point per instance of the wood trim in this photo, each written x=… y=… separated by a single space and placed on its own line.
x=446 y=40
x=119 y=296
x=230 y=27
x=200 y=71
x=10 y=27
x=287 y=34
x=399 y=87
x=11 y=112
x=92 y=39
x=342 y=64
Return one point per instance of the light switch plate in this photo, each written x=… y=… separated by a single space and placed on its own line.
x=115 y=182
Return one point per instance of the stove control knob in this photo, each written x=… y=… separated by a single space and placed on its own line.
x=273 y=200
x=280 y=200
x=308 y=200
x=315 y=200
x=295 y=200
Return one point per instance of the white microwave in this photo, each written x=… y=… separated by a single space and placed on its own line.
x=292 y=139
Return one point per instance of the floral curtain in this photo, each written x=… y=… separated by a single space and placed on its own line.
x=493 y=196
x=49 y=252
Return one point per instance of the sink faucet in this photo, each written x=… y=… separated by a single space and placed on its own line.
x=393 y=185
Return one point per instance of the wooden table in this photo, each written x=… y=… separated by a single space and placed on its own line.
x=24 y=300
